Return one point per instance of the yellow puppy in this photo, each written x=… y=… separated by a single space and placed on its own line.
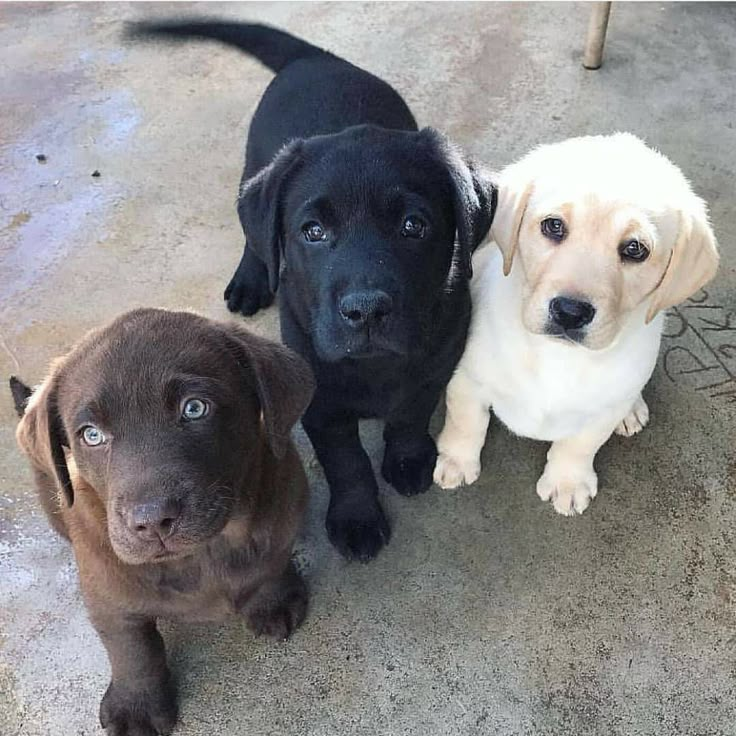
x=596 y=236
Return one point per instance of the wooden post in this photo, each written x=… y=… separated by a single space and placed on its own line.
x=593 y=56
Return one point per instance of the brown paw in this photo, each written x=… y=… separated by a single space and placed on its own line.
x=128 y=712
x=279 y=612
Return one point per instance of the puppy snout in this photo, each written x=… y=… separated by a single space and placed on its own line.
x=571 y=314
x=363 y=309
x=154 y=518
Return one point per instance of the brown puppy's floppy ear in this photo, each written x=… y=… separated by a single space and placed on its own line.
x=41 y=436
x=693 y=263
x=283 y=381
x=514 y=190
x=260 y=205
x=21 y=393
x=474 y=199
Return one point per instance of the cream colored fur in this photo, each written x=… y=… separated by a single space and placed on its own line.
x=607 y=190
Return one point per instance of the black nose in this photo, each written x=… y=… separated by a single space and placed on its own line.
x=362 y=309
x=154 y=518
x=571 y=314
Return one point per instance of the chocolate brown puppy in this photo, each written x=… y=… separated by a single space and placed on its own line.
x=160 y=448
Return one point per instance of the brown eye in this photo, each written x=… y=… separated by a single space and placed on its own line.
x=314 y=232
x=554 y=229
x=633 y=250
x=413 y=227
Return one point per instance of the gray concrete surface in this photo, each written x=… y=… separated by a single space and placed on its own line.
x=488 y=613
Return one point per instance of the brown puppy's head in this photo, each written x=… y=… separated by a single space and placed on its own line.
x=164 y=415
x=601 y=226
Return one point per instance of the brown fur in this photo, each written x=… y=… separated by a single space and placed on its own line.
x=233 y=476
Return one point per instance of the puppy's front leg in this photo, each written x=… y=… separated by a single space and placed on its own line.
x=278 y=606
x=141 y=697
x=411 y=453
x=569 y=479
x=464 y=434
x=248 y=290
x=356 y=524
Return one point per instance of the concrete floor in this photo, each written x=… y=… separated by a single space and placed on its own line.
x=488 y=613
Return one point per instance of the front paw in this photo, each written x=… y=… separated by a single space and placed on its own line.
x=570 y=489
x=281 y=611
x=358 y=532
x=248 y=290
x=410 y=472
x=635 y=420
x=453 y=472
x=131 y=712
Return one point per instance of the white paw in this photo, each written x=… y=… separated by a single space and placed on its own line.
x=570 y=492
x=635 y=420
x=451 y=472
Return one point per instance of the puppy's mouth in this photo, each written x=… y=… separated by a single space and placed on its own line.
x=359 y=347
x=184 y=538
x=371 y=347
x=574 y=336
x=153 y=552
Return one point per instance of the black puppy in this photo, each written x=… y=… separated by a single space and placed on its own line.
x=368 y=225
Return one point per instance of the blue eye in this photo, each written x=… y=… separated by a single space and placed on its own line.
x=92 y=436
x=194 y=409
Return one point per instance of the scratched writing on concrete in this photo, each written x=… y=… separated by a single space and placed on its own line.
x=699 y=347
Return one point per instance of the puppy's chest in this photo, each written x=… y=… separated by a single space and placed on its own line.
x=370 y=390
x=549 y=395
x=206 y=587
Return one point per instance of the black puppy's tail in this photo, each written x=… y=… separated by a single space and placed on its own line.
x=21 y=394
x=270 y=46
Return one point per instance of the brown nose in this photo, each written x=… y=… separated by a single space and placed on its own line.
x=154 y=518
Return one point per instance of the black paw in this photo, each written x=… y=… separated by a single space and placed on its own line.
x=129 y=712
x=279 y=612
x=358 y=532
x=248 y=290
x=410 y=471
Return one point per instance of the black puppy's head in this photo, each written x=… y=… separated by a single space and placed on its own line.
x=163 y=415
x=371 y=228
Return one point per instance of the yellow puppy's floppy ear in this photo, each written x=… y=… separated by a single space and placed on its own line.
x=513 y=197
x=41 y=436
x=693 y=263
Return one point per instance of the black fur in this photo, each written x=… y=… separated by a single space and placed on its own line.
x=333 y=144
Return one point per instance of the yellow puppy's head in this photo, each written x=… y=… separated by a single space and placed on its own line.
x=599 y=226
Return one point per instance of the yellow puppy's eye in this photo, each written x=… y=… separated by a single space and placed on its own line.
x=554 y=228
x=633 y=250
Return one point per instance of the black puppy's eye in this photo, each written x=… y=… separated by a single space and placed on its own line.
x=314 y=232
x=413 y=227
x=554 y=228
x=194 y=409
x=633 y=250
x=92 y=437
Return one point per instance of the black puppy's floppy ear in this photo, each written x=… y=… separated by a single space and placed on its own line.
x=474 y=198
x=260 y=205
x=41 y=434
x=283 y=381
